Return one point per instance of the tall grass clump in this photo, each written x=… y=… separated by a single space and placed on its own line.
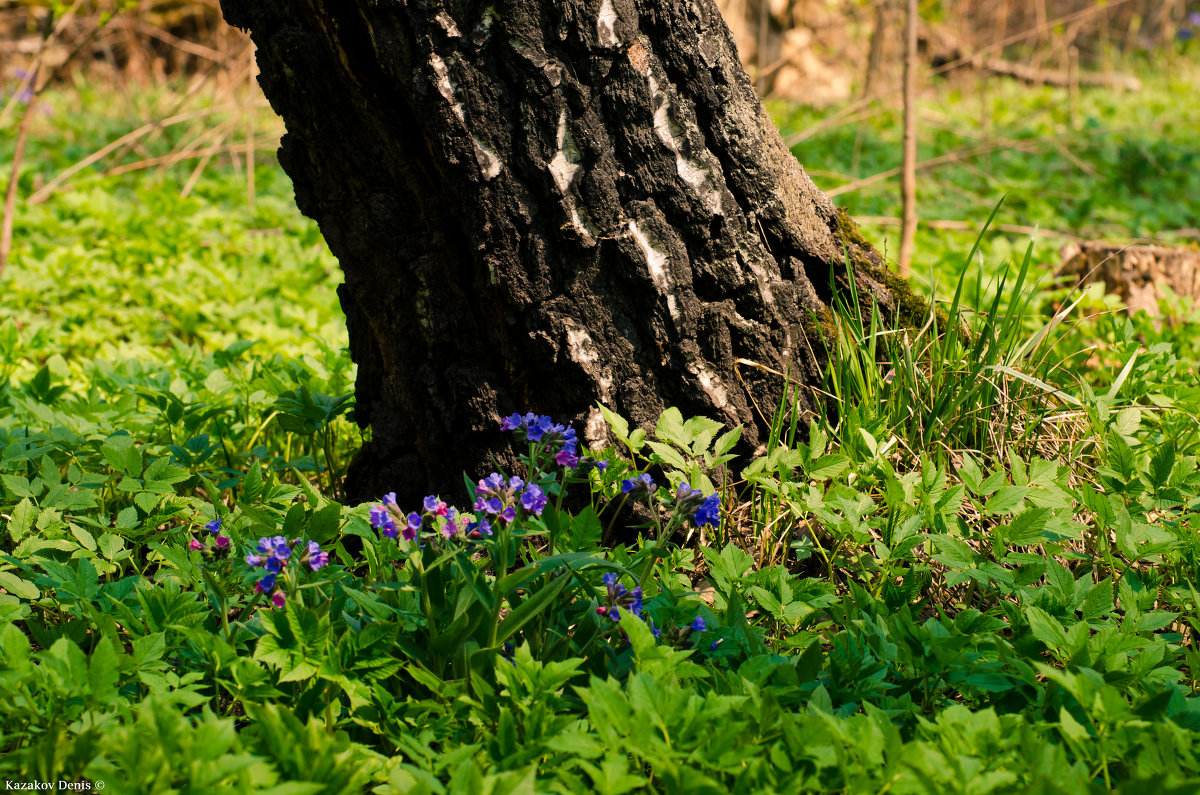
x=979 y=376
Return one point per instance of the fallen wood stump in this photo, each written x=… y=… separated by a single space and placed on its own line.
x=1136 y=273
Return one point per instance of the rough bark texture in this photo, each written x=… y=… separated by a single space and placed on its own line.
x=541 y=205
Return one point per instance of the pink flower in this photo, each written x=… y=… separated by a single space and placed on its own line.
x=279 y=600
x=222 y=542
x=194 y=544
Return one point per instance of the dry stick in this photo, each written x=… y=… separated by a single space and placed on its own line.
x=171 y=159
x=908 y=232
x=51 y=33
x=1073 y=88
x=860 y=109
x=1040 y=12
x=190 y=143
x=941 y=160
x=1017 y=37
x=54 y=184
x=966 y=226
x=874 y=60
x=201 y=80
x=222 y=131
x=10 y=195
x=761 y=55
x=248 y=109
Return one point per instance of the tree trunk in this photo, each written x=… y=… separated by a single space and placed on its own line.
x=544 y=205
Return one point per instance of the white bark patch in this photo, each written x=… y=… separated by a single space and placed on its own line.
x=606 y=25
x=447 y=24
x=445 y=86
x=711 y=383
x=582 y=350
x=565 y=164
x=764 y=281
x=580 y=221
x=656 y=261
x=489 y=162
x=690 y=170
x=595 y=431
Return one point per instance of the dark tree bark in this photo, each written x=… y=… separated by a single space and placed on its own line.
x=540 y=205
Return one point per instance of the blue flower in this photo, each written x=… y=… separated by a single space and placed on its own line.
x=214 y=526
x=381 y=519
x=267 y=582
x=698 y=625
x=317 y=557
x=709 y=512
x=643 y=484
x=533 y=499
x=480 y=528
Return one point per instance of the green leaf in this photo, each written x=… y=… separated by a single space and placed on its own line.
x=668 y=455
x=1046 y=628
x=1099 y=601
x=1005 y=501
x=530 y=608
x=21 y=520
x=1027 y=528
x=827 y=466
x=10 y=582
x=18 y=486
x=104 y=671
x=323 y=525
x=1162 y=463
x=83 y=537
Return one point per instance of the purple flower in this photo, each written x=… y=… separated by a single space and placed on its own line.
x=698 y=625
x=709 y=512
x=509 y=514
x=433 y=505
x=413 y=526
x=511 y=422
x=253 y=560
x=480 y=528
x=450 y=527
x=317 y=557
x=221 y=542
x=533 y=499
x=389 y=500
x=381 y=519
x=214 y=526
x=566 y=458
x=643 y=484
x=620 y=598
x=279 y=600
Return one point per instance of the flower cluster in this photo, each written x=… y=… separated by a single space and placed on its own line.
x=220 y=543
x=435 y=514
x=699 y=509
x=641 y=486
x=554 y=437
x=620 y=598
x=275 y=553
x=499 y=499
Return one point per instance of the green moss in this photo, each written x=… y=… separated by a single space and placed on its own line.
x=909 y=309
